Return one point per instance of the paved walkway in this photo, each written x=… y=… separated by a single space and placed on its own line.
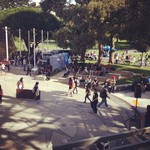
x=57 y=119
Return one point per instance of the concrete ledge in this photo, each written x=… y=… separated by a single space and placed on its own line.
x=100 y=78
x=109 y=75
x=63 y=80
x=40 y=77
x=123 y=87
x=34 y=71
x=124 y=73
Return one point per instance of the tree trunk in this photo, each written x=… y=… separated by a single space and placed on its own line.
x=141 y=64
x=83 y=55
x=100 y=47
x=112 y=47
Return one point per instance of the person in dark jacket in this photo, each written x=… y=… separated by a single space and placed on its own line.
x=103 y=95
x=29 y=67
x=36 y=91
x=87 y=93
x=1 y=94
x=94 y=101
x=147 y=117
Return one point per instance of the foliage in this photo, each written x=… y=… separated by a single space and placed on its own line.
x=137 y=31
x=13 y=3
x=27 y=18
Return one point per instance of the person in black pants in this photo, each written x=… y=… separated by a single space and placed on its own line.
x=94 y=101
x=147 y=117
x=87 y=93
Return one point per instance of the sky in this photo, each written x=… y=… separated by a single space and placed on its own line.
x=36 y=0
x=40 y=0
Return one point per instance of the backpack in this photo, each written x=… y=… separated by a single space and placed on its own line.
x=103 y=94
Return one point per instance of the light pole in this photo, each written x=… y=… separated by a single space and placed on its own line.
x=42 y=41
x=28 y=44
x=34 y=46
x=47 y=40
x=20 y=40
x=6 y=35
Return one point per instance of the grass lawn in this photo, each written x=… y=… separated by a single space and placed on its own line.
x=135 y=69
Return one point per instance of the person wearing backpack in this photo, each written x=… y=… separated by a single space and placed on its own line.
x=103 y=95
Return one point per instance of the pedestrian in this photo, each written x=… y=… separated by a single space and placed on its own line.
x=29 y=67
x=24 y=64
x=87 y=93
x=20 y=84
x=36 y=91
x=94 y=101
x=76 y=84
x=103 y=95
x=147 y=117
x=1 y=94
x=71 y=86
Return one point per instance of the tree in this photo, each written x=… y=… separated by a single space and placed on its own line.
x=102 y=23
x=76 y=33
x=27 y=18
x=14 y=3
x=136 y=24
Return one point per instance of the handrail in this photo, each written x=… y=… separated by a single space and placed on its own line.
x=90 y=141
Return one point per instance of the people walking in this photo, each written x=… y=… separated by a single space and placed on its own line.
x=103 y=95
x=87 y=93
x=94 y=101
x=20 y=84
x=1 y=94
x=36 y=91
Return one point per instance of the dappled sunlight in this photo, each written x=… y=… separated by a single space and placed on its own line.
x=57 y=118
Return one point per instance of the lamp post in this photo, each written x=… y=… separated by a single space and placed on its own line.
x=6 y=36
x=20 y=40
x=47 y=40
x=34 y=46
x=42 y=41
x=28 y=44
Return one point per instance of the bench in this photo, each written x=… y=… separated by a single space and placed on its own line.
x=109 y=75
x=100 y=78
x=25 y=93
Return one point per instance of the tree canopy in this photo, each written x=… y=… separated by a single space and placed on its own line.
x=27 y=18
x=14 y=3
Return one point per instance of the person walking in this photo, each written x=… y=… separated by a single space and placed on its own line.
x=36 y=91
x=76 y=84
x=20 y=84
x=29 y=67
x=147 y=117
x=94 y=101
x=24 y=64
x=103 y=95
x=1 y=94
x=71 y=86
x=87 y=93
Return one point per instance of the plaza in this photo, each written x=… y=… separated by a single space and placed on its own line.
x=58 y=119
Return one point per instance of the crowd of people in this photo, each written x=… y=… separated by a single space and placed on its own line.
x=90 y=85
x=130 y=58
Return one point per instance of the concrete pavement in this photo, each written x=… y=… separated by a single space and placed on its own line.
x=57 y=119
